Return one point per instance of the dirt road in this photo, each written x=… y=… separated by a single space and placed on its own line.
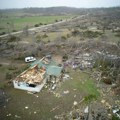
x=44 y=26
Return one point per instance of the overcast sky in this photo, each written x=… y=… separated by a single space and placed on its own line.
x=50 y=3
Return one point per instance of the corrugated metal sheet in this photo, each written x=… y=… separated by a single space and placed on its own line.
x=52 y=68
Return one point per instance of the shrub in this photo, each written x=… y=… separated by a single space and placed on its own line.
x=117 y=34
x=90 y=98
x=75 y=32
x=45 y=36
x=63 y=37
x=115 y=117
x=56 y=20
x=82 y=39
x=13 y=39
x=20 y=57
x=107 y=80
x=65 y=57
x=40 y=23
x=91 y=34
x=2 y=33
x=48 y=41
x=36 y=25
x=8 y=76
x=12 y=67
x=68 y=35
x=109 y=68
x=2 y=85
x=38 y=38
x=14 y=30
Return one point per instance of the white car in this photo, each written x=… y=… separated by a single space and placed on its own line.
x=30 y=59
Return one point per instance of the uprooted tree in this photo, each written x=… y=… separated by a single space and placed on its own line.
x=109 y=69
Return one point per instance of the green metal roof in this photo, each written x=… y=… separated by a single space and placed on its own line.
x=52 y=68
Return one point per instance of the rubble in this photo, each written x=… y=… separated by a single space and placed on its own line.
x=86 y=110
x=53 y=87
x=3 y=98
x=30 y=92
x=54 y=108
x=66 y=76
x=85 y=113
x=66 y=92
x=57 y=95
x=108 y=105
x=74 y=96
x=9 y=114
x=16 y=116
x=75 y=103
x=116 y=111
x=103 y=101
x=26 y=107
x=35 y=112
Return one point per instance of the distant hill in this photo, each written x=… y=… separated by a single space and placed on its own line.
x=43 y=11
x=58 y=11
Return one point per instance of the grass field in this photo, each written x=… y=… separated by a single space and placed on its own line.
x=18 y=23
x=83 y=83
x=79 y=86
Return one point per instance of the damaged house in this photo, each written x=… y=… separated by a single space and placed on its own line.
x=35 y=77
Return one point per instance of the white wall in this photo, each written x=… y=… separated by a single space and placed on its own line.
x=23 y=86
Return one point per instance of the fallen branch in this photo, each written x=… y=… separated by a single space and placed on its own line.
x=54 y=109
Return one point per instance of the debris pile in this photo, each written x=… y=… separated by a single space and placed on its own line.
x=116 y=111
x=89 y=112
x=81 y=61
x=3 y=98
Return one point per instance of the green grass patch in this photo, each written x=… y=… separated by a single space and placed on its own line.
x=83 y=83
x=18 y=23
x=86 y=84
x=110 y=36
x=90 y=98
x=3 y=69
x=115 y=117
x=2 y=85
x=47 y=101
x=51 y=36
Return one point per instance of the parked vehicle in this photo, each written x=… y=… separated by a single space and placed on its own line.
x=30 y=59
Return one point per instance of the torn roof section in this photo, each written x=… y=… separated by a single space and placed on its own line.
x=32 y=75
x=51 y=66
